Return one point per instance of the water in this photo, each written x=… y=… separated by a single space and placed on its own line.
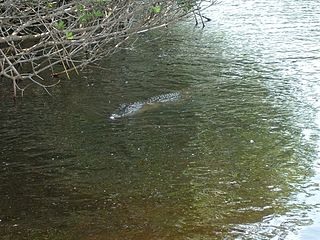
x=238 y=158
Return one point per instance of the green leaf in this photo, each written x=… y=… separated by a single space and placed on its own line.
x=86 y=17
x=156 y=9
x=187 y=5
x=83 y=18
x=81 y=8
x=69 y=35
x=98 y=13
x=103 y=1
x=60 y=25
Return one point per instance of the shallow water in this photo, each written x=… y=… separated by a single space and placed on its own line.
x=238 y=158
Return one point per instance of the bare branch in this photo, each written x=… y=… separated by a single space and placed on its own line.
x=41 y=36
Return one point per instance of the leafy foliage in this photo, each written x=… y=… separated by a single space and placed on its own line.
x=87 y=15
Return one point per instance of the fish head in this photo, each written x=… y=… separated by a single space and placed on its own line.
x=114 y=116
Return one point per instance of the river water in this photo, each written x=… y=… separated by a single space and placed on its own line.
x=236 y=158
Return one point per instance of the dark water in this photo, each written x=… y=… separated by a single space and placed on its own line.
x=238 y=158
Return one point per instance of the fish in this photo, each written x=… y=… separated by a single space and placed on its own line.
x=133 y=108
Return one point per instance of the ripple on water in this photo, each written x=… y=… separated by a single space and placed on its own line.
x=237 y=160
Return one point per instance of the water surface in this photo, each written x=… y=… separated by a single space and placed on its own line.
x=238 y=158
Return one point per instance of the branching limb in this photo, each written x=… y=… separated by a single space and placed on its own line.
x=37 y=37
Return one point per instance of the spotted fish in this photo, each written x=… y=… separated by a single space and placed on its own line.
x=133 y=108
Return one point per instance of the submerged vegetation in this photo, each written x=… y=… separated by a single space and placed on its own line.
x=57 y=37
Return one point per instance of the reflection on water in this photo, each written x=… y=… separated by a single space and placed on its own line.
x=236 y=159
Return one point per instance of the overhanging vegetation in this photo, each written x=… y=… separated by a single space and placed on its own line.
x=38 y=37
